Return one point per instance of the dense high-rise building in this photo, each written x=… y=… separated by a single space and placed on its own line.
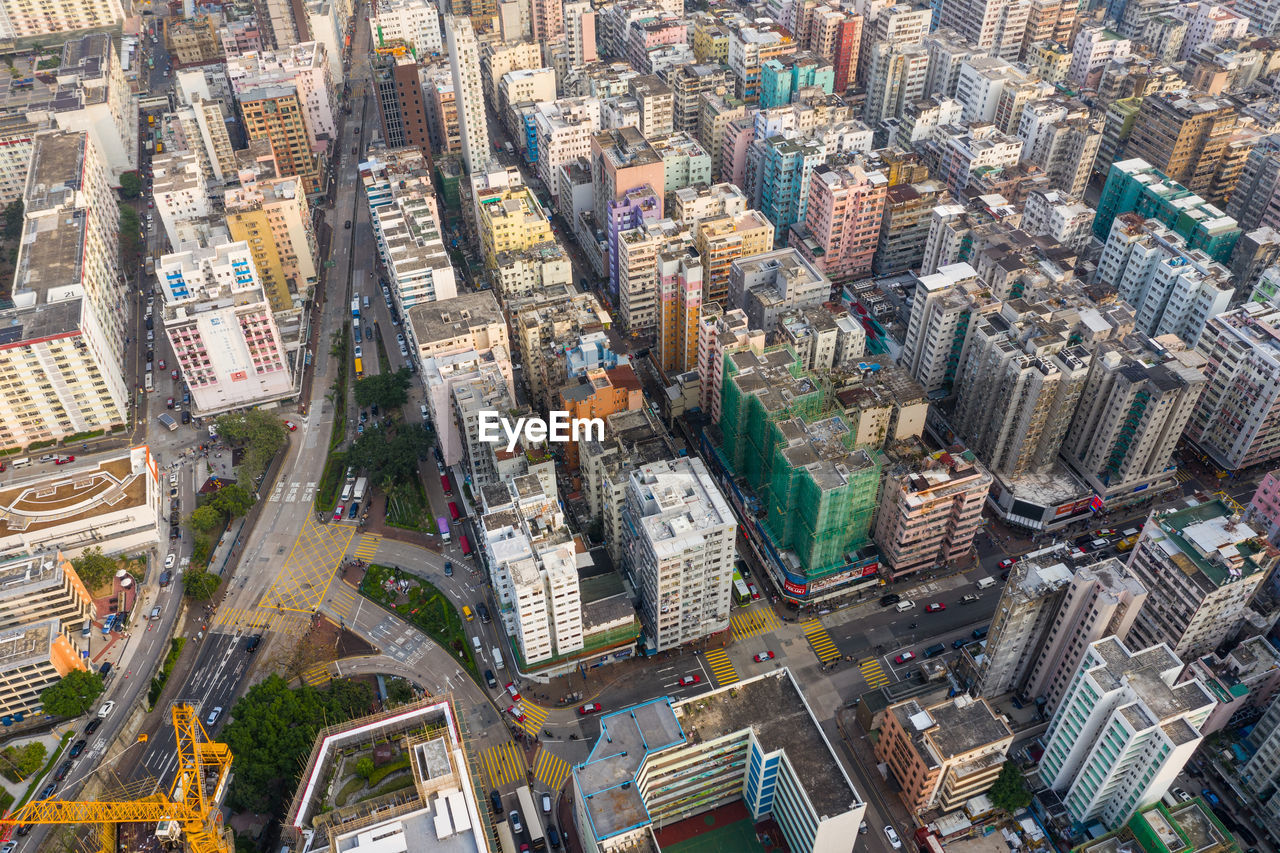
x=1263 y=769
x=400 y=101
x=1135 y=404
x=1256 y=199
x=62 y=363
x=930 y=511
x=842 y=221
x=1135 y=185
x=1123 y=732
x=1185 y=137
x=1237 y=421
x=678 y=539
x=416 y=23
x=1173 y=290
x=28 y=19
x=943 y=305
x=272 y=217
x=1202 y=566
x=995 y=26
x=464 y=62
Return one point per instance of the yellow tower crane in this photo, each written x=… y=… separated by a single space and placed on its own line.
x=190 y=809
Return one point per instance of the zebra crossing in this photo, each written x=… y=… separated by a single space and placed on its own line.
x=748 y=623
x=255 y=620
x=368 y=546
x=873 y=673
x=503 y=764
x=534 y=717
x=317 y=675
x=342 y=600
x=1182 y=475
x=550 y=769
x=820 y=641
x=721 y=667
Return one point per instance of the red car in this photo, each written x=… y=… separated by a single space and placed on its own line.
x=168 y=404
x=593 y=708
x=763 y=656
x=905 y=657
x=690 y=679
x=515 y=711
x=1009 y=563
x=63 y=460
x=337 y=513
x=515 y=694
x=173 y=374
x=291 y=426
x=161 y=363
x=936 y=607
x=755 y=595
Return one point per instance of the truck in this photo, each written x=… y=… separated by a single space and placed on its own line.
x=361 y=485
x=355 y=307
x=168 y=420
x=443 y=524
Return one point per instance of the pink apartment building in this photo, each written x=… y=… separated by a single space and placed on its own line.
x=842 y=223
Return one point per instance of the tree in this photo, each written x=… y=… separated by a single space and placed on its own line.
x=232 y=501
x=398 y=691
x=130 y=185
x=73 y=695
x=13 y=212
x=391 y=460
x=205 y=519
x=260 y=433
x=364 y=767
x=271 y=732
x=1010 y=790
x=386 y=390
x=94 y=568
x=19 y=762
x=199 y=584
x=130 y=239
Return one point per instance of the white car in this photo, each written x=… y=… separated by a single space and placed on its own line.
x=170 y=560
x=213 y=716
x=106 y=708
x=893 y=837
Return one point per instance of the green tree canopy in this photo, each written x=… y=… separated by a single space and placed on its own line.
x=394 y=459
x=205 y=519
x=73 y=695
x=271 y=733
x=261 y=433
x=19 y=762
x=13 y=219
x=130 y=185
x=364 y=767
x=386 y=390
x=199 y=585
x=1010 y=790
x=232 y=501
x=94 y=568
x=130 y=239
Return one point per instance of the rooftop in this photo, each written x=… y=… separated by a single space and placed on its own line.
x=951 y=729
x=28 y=573
x=450 y=318
x=1209 y=539
x=1148 y=675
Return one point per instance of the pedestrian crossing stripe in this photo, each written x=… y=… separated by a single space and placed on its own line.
x=873 y=673
x=343 y=601
x=748 y=623
x=534 y=717
x=550 y=769
x=368 y=546
x=503 y=764
x=721 y=667
x=1182 y=475
x=821 y=642
x=317 y=675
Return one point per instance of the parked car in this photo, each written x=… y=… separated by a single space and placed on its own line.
x=47 y=791
x=889 y=599
x=93 y=726
x=905 y=657
x=170 y=561
x=291 y=426
x=496 y=799
x=338 y=510
x=593 y=708
x=690 y=679
x=763 y=656
x=106 y=709
x=63 y=769
x=77 y=748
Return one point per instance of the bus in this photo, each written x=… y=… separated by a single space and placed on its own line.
x=532 y=819
x=359 y=369
x=444 y=484
x=741 y=595
x=355 y=330
x=443 y=524
x=465 y=544
x=505 y=840
x=149 y=383
x=355 y=307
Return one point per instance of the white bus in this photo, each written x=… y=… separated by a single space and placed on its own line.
x=505 y=840
x=149 y=383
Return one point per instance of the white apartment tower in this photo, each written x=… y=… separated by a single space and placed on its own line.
x=464 y=62
x=25 y=19
x=224 y=334
x=678 y=534
x=62 y=355
x=1123 y=732
x=415 y=22
x=994 y=26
